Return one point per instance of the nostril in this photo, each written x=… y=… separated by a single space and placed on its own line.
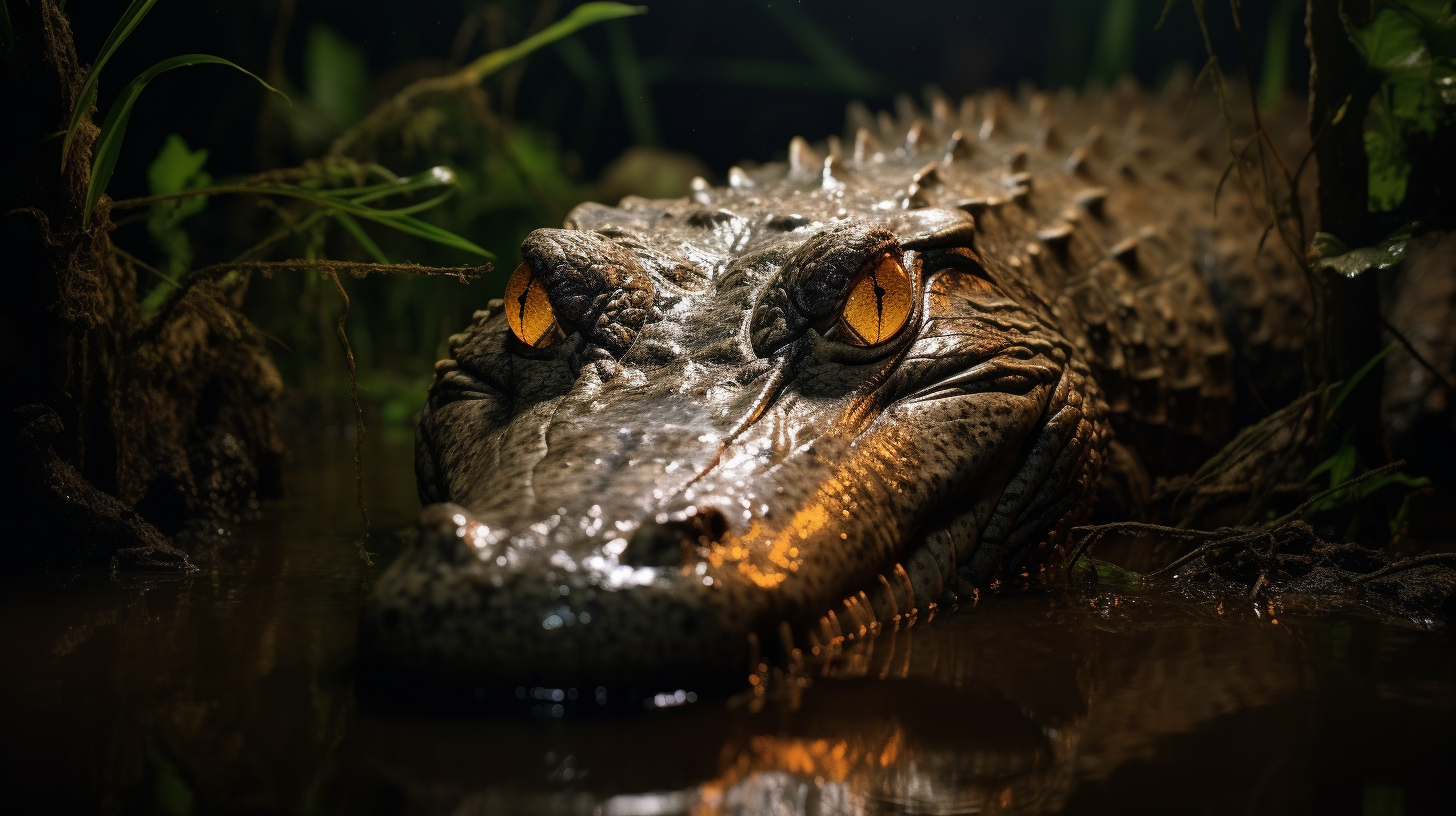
x=659 y=545
x=709 y=523
x=664 y=544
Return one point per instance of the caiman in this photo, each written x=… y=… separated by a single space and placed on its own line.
x=887 y=374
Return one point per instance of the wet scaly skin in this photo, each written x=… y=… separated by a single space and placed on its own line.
x=703 y=460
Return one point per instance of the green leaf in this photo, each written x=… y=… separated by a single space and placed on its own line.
x=361 y=236
x=129 y=20
x=1400 y=478
x=395 y=219
x=336 y=75
x=1354 y=381
x=1353 y=262
x=586 y=14
x=1392 y=43
x=174 y=166
x=440 y=176
x=1389 y=171
x=113 y=130
x=1108 y=574
x=336 y=201
x=1343 y=465
x=422 y=229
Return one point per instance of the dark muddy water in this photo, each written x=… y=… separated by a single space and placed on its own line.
x=233 y=691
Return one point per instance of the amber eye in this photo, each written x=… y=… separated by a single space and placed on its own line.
x=879 y=302
x=528 y=311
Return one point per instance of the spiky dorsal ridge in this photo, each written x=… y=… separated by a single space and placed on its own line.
x=1097 y=205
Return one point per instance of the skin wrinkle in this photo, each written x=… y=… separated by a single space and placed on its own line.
x=859 y=418
x=962 y=447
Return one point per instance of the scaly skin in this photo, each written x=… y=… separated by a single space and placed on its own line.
x=703 y=465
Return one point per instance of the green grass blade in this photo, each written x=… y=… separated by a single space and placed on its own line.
x=1276 y=54
x=636 y=99
x=129 y=20
x=586 y=14
x=332 y=202
x=108 y=146
x=1351 y=384
x=411 y=209
x=361 y=236
x=7 y=33
x=395 y=220
x=1116 y=41
x=834 y=60
x=434 y=177
x=422 y=229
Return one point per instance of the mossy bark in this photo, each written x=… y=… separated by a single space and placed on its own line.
x=106 y=414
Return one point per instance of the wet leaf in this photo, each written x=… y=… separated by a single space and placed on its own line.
x=1108 y=574
x=1335 y=257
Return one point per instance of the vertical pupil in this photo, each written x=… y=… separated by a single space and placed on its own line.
x=525 y=295
x=879 y=304
x=531 y=318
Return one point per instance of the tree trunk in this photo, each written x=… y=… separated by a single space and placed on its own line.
x=1345 y=332
x=112 y=425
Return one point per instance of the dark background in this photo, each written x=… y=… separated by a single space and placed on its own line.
x=711 y=66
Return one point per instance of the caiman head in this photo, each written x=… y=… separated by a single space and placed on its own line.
x=687 y=432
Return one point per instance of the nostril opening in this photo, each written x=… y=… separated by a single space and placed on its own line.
x=659 y=545
x=709 y=523
x=664 y=544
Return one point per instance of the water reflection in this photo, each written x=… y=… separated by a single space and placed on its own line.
x=232 y=690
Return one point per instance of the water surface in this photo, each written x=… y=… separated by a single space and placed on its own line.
x=234 y=691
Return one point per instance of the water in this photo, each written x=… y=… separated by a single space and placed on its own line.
x=233 y=691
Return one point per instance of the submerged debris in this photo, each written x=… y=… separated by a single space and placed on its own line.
x=1291 y=565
